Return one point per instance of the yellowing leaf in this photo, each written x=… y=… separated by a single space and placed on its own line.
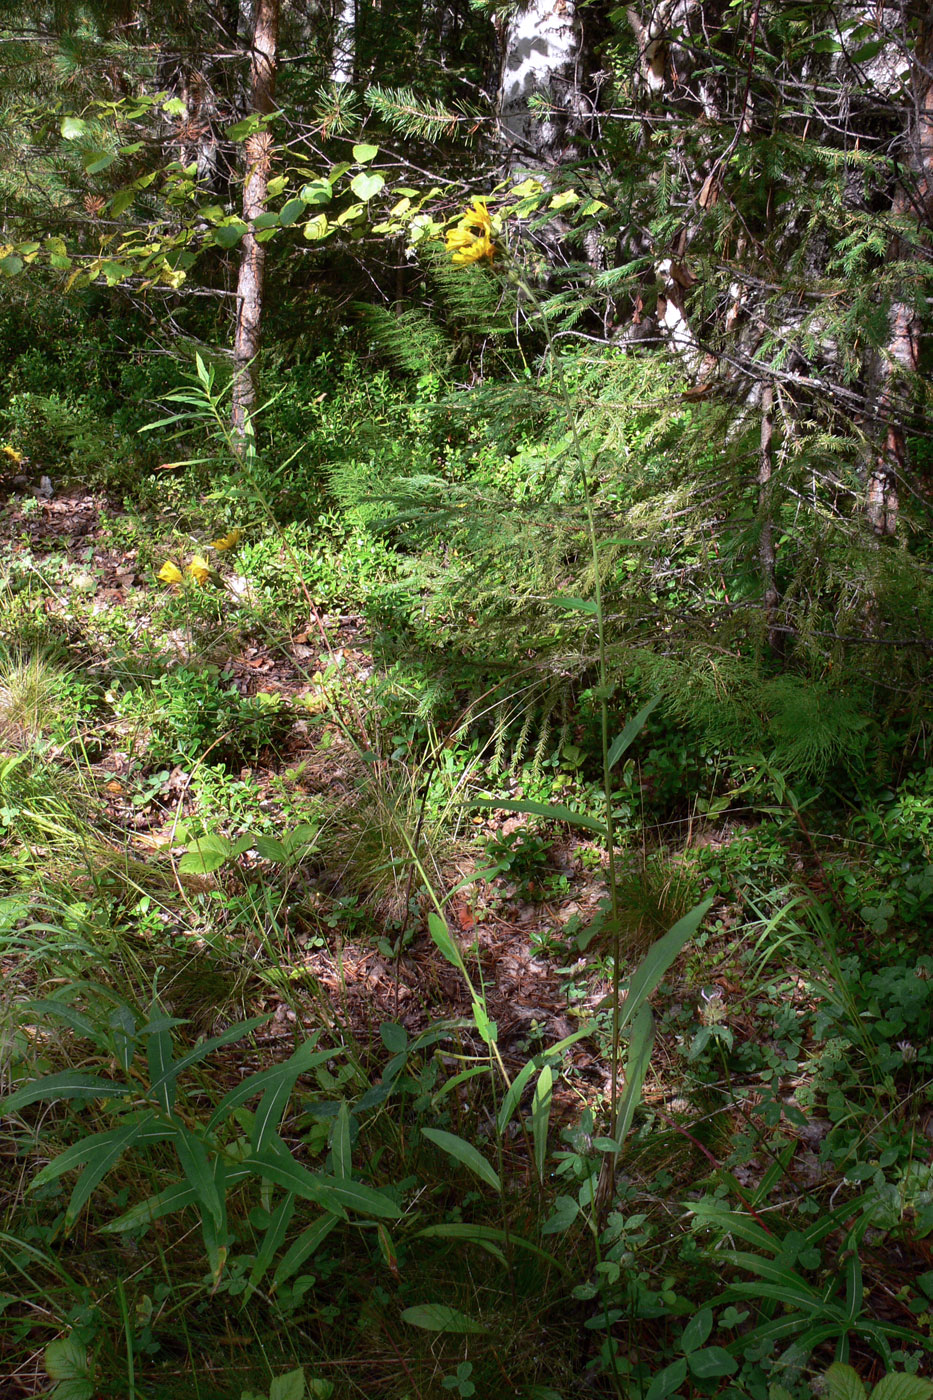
x=199 y=569
x=170 y=573
x=228 y=541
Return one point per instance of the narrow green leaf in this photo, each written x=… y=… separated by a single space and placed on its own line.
x=271 y=1243
x=631 y=732
x=159 y=1059
x=514 y=1093
x=80 y=1152
x=100 y=1162
x=541 y=1117
x=333 y=1195
x=543 y=809
x=68 y=1084
x=192 y=1154
x=445 y=944
x=305 y=1245
x=167 y=1202
x=340 y=1143
x=584 y=605
x=479 y=1234
x=205 y=1047
x=438 y=1317
x=636 y=1067
x=658 y=959
x=303 y=1059
x=465 y=1153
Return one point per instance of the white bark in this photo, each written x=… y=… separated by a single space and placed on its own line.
x=343 y=58
x=542 y=46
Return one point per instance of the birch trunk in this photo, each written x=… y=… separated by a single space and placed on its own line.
x=247 y=337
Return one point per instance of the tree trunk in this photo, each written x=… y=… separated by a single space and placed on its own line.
x=902 y=351
x=541 y=44
x=766 y=547
x=252 y=258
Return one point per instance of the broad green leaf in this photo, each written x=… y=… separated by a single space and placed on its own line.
x=65 y=1359
x=564 y=199
x=658 y=959
x=68 y=1084
x=668 y=1380
x=696 y=1333
x=438 y=1317
x=543 y=809
x=291 y=212
x=366 y=185
x=270 y=848
x=77 y=1389
x=303 y=1059
x=268 y=219
x=465 y=1153
x=351 y=215
x=241 y=129
x=11 y=264
x=563 y=1215
x=73 y=128
x=305 y=1245
x=710 y=1362
x=229 y=234
x=317 y=192
x=317 y=228
x=122 y=201
x=641 y=1044
x=631 y=732
x=96 y=161
x=291 y=1386
x=541 y=1117
x=205 y=855
x=394 y=1037
x=102 y=1161
x=843 y=1383
x=897 y=1386
x=364 y=153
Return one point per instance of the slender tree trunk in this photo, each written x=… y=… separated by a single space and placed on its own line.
x=247 y=338
x=902 y=351
x=766 y=547
x=541 y=57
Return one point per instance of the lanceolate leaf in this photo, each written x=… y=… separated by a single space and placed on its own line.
x=465 y=1153
x=101 y=1161
x=631 y=732
x=69 y=1084
x=192 y=1154
x=232 y=1033
x=658 y=959
x=305 y=1245
x=541 y=1117
x=636 y=1067
x=334 y=1195
x=303 y=1059
x=438 y=1317
x=544 y=809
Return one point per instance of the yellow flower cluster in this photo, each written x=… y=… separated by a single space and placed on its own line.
x=473 y=238
x=198 y=568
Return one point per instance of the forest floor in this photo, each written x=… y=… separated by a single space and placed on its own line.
x=243 y=809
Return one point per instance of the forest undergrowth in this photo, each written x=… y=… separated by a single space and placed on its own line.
x=334 y=1065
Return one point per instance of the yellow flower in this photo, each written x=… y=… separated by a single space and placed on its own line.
x=12 y=453
x=228 y=541
x=199 y=569
x=170 y=573
x=473 y=237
